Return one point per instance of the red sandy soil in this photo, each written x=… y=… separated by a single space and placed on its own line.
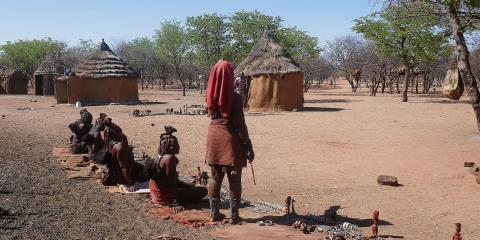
x=326 y=157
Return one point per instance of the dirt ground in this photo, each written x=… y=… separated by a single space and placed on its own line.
x=326 y=157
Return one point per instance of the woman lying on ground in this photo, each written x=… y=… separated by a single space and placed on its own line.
x=228 y=143
x=165 y=187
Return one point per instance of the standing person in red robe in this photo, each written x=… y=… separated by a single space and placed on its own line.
x=228 y=142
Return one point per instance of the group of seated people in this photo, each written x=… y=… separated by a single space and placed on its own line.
x=105 y=143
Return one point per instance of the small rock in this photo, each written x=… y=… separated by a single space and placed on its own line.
x=3 y=116
x=153 y=124
x=387 y=180
x=52 y=106
x=468 y=164
x=294 y=110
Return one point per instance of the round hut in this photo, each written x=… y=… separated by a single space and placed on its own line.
x=102 y=77
x=13 y=82
x=46 y=74
x=276 y=80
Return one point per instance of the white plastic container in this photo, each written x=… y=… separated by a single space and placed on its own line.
x=78 y=104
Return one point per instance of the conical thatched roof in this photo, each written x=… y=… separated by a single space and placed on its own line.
x=101 y=63
x=51 y=65
x=267 y=57
x=9 y=72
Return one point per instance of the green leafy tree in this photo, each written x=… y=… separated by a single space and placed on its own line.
x=172 y=44
x=246 y=28
x=74 y=54
x=141 y=55
x=26 y=55
x=209 y=37
x=456 y=17
x=411 y=40
x=298 y=44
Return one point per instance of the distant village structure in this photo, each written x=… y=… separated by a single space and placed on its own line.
x=276 y=80
x=13 y=82
x=102 y=77
x=46 y=74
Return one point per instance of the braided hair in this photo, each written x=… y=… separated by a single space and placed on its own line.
x=168 y=145
x=113 y=132
x=168 y=142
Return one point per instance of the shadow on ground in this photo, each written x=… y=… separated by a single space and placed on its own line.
x=322 y=109
x=447 y=101
x=330 y=101
x=260 y=114
x=330 y=216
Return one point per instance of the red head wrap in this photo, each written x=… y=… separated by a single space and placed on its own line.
x=220 y=89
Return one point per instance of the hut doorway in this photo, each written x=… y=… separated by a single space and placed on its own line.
x=38 y=85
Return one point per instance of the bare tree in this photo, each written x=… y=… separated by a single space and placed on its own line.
x=345 y=54
x=315 y=68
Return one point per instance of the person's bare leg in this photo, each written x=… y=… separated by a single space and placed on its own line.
x=214 y=185
x=235 y=184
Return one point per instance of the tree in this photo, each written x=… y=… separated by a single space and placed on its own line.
x=209 y=37
x=457 y=17
x=315 y=68
x=141 y=55
x=346 y=54
x=26 y=55
x=246 y=28
x=298 y=44
x=411 y=40
x=74 y=54
x=172 y=44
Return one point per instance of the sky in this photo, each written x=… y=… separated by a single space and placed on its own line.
x=117 y=20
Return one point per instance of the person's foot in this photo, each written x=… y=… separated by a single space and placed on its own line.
x=217 y=217
x=235 y=221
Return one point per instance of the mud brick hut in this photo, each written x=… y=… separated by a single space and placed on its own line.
x=102 y=77
x=13 y=82
x=46 y=74
x=276 y=80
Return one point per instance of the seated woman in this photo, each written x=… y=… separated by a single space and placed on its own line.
x=80 y=130
x=165 y=187
x=122 y=168
x=97 y=150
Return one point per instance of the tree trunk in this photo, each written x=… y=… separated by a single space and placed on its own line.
x=141 y=78
x=407 y=80
x=397 y=83
x=463 y=61
x=183 y=88
x=384 y=82
x=416 y=84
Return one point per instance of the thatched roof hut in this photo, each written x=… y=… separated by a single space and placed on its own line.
x=51 y=64
x=47 y=72
x=102 y=77
x=276 y=80
x=103 y=63
x=13 y=82
x=267 y=57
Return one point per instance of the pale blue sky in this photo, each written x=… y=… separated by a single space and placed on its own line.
x=124 y=20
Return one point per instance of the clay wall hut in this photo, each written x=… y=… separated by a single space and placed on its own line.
x=13 y=82
x=46 y=74
x=102 y=77
x=276 y=80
